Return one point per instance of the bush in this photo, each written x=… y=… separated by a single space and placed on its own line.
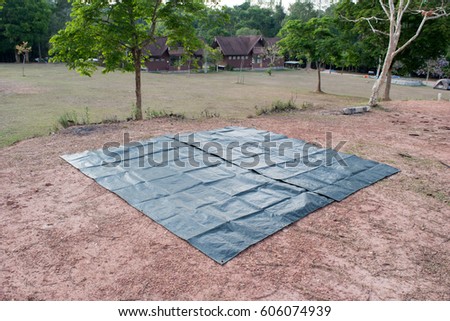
x=110 y=120
x=209 y=114
x=150 y=114
x=277 y=107
x=68 y=119
x=71 y=118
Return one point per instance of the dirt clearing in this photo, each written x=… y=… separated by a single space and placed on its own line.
x=63 y=237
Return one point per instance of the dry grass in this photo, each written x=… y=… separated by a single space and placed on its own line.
x=31 y=105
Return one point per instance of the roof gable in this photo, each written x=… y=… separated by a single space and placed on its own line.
x=271 y=41
x=237 y=45
x=157 y=48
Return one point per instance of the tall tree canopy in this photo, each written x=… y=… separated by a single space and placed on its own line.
x=118 y=34
x=60 y=15
x=314 y=39
x=265 y=20
x=303 y=11
x=25 y=20
x=393 y=18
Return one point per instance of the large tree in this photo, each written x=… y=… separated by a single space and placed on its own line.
x=396 y=31
x=60 y=15
x=301 y=10
x=25 y=20
x=314 y=39
x=266 y=20
x=394 y=11
x=118 y=34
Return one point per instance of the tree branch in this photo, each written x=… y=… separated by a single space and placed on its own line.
x=419 y=29
x=376 y=19
x=153 y=25
x=384 y=8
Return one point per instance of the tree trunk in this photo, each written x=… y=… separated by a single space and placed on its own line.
x=319 y=81
x=137 y=53
x=387 y=88
x=308 y=65
x=390 y=54
x=379 y=67
x=40 y=52
x=17 y=57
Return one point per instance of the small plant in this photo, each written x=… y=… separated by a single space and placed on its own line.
x=68 y=119
x=307 y=104
x=134 y=112
x=23 y=50
x=209 y=114
x=110 y=120
x=277 y=107
x=269 y=71
x=86 y=119
x=150 y=114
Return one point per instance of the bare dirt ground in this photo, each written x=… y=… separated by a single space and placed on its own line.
x=63 y=237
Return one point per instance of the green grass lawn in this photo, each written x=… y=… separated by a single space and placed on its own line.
x=31 y=105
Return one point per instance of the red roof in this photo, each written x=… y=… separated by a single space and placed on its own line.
x=237 y=45
x=271 y=41
x=157 y=48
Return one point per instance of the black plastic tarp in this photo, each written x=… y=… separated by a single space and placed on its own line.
x=227 y=189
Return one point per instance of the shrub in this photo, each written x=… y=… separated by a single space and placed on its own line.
x=209 y=114
x=150 y=114
x=68 y=119
x=277 y=107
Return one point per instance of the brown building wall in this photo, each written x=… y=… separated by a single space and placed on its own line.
x=158 y=63
x=164 y=64
x=238 y=61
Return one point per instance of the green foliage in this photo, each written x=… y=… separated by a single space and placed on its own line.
x=68 y=119
x=23 y=50
x=150 y=114
x=212 y=56
x=313 y=38
x=246 y=31
x=361 y=46
x=303 y=11
x=277 y=107
x=24 y=20
x=213 y=22
x=71 y=118
x=431 y=44
x=118 y=34
x=60 y=15
x=110 y=119
x=209 y=114
x=266 y=21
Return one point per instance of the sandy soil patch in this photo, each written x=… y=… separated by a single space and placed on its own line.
x=63 y=237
